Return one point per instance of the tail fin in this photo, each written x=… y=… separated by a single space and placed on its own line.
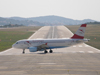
x=80 y=32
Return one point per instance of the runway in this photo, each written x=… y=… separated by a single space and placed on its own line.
x=79 y=59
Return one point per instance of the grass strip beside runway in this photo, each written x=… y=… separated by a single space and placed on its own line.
x=9 y=36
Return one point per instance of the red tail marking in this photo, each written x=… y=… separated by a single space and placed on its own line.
x=77 y=37
x=45 y=43
x=81 y=30
x=83 y=25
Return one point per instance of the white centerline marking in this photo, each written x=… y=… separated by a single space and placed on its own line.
x=90 y=52
x=81 y=51
x=73 y=52
x=74 y=46
x=46 y=63
x=80 y=45
x=53 y=32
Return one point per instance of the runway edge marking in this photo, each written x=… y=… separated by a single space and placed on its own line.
x=69 y=30
x=6 y=50
x=92 y=47
x=34 y=33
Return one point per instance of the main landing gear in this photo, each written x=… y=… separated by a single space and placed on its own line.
x=51 y=51
x=45 y=51
x=23 y=51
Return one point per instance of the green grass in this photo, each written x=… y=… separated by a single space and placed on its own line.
x=92 y=33
x=9 y=36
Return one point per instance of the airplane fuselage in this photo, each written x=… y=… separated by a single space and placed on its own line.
x=51 y=43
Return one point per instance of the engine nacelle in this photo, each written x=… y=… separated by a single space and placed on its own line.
x=32 y=49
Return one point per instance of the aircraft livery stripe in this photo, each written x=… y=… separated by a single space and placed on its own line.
x=83 y=25
x=77 y=37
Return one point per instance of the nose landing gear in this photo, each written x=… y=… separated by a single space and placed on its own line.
x=23 y=51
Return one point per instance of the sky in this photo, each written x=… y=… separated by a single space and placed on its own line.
x=74 y=9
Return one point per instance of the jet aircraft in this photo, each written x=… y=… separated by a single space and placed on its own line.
x=35 y=45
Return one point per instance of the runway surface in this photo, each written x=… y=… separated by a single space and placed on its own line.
x=79 y=59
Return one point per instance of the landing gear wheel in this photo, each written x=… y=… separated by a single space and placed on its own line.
x=51 y=51
x=23 y=51
x=45 y=51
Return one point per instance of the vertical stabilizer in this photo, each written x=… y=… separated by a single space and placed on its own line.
x=80 y=32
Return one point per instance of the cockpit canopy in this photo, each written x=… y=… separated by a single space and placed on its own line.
x=16 y=42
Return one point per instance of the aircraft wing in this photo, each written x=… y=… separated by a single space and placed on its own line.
x=39 y=46
x=42 y=46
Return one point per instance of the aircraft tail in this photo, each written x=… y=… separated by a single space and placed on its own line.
x=80 y=32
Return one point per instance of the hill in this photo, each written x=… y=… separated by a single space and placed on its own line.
x=59 y=20
x=55 y=20
x=43 y=20
x=6 y=21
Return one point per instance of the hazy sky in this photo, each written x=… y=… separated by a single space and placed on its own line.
x=74 y=9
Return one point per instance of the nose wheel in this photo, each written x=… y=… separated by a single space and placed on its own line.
x=23 y=51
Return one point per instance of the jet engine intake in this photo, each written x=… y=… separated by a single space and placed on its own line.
x=32 y=49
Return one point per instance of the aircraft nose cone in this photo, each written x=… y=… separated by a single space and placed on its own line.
x=13 y=46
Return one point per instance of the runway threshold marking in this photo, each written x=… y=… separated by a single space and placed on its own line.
x=90 y=51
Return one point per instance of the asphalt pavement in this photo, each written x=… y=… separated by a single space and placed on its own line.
x=80 y=59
